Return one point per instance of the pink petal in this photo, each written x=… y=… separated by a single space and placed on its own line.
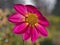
x=26 y=35
x=34 y=10
x=20 y=8
x=20 y=28
x=34 y=34
x=16 y=18
x=41 y=30
x=43 y=22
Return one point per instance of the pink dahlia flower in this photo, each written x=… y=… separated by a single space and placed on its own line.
x=29 y=22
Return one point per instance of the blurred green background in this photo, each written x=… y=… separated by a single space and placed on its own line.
x=8 y=38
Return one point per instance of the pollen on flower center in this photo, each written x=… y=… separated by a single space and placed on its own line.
x=31 y=19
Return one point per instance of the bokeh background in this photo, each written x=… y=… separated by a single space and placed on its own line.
x=8 y=38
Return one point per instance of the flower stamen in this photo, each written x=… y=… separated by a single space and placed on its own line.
x=31 y=19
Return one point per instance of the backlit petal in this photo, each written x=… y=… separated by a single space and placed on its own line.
x=43 y=22
x=41 y=30
x=26 y=35
x=20 y=8
x=16 y=18
x=40 y=16
x=20 y=28
x=34 y=34
x=34 y=10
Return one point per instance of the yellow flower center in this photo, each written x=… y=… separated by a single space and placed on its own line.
x=31 y=19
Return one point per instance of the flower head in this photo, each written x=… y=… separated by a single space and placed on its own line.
x=29 y=22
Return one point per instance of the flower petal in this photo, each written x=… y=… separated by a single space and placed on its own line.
x=26 y=35
x=34 y=10
x=16 y=18
x=34 y=34
x=43 y=22
x=41 y=30
x=20 y=28
x=20 y=8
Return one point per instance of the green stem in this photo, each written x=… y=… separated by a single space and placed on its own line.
x=34 y=43
x=22 y=42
